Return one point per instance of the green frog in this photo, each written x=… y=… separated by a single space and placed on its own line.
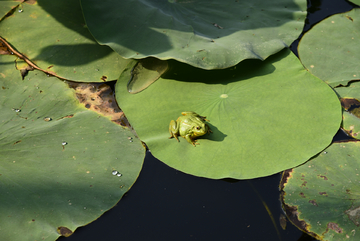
x=190 y=126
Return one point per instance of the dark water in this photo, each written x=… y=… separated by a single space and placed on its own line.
x=165 y=204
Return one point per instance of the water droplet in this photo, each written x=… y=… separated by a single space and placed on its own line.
x=224 y=96
x=17 y=110
x=129 y=138
x=47 y=119
x=119 y=174
x=84 y=207
x=20 y=10
x=325 y=152
x=64 y=143
x=96 y=69
x=114 y=172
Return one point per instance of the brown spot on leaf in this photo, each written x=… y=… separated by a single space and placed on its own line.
x=16 y=142
x=103 y=78
x=351 y=105
x=64 y=231
x=68 y=116
x=50 y=66
x=302 y=195
x=25 y=70
x=335 y=227
x=313 y=202
x=350 y=18
x=324 y=177
x=100 y=97
x=323 y=193
x=303 y=184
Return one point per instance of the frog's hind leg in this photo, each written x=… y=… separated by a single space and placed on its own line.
x=173 y=130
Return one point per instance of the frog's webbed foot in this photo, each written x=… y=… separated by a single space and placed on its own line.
x=191 y=141
x=194 y=143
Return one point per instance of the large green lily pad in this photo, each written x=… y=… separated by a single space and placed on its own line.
x=322 y=196
x=208 y=34
x=334 y=60
x=266 y=116
x=58 y=41
x=57 y=158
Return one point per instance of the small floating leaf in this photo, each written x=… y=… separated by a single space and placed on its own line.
x=146 y=72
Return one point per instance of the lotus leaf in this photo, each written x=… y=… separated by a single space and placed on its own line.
x=62 y=45
x=266 y=116
x=322 y=196
x=334 y=60
x=58 y=159
x=208 y=34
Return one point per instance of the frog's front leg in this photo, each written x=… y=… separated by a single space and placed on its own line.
x=174 y=130
x=191 y=141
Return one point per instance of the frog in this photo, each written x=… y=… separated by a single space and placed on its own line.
x=190 y=126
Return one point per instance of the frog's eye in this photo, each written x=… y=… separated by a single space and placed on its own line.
x=198 y=128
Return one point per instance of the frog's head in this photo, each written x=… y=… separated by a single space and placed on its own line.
x=200 y=130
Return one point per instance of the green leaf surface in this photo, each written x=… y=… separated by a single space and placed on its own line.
x=334 y=60
x=350 y=100
x=355 y=1
x=6 y=6
x=57 y=172
x=57 y=40
x=266 y=116
x=324 y=193
x=207 y=34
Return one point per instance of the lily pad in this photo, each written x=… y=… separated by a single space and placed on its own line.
x=145 y=72
x=322 y=196
x=58 y=159
x=58 y=41
x=266 y=116
x=334 y=60
x=350 y=100
x=355 y=1
x=6 y=6
x=207 y=34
